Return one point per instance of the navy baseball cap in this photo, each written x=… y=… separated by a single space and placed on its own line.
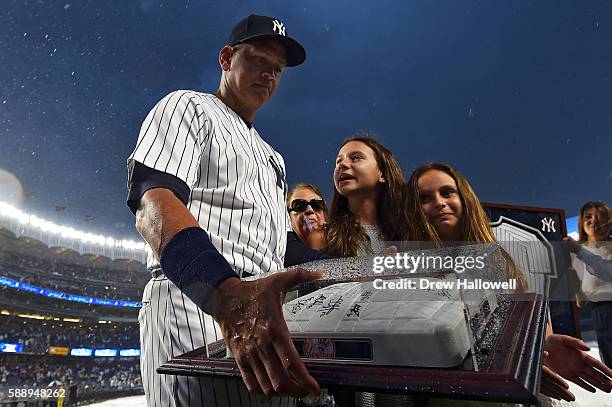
x=255 y=26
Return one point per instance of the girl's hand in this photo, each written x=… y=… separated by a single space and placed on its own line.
x=567 y=356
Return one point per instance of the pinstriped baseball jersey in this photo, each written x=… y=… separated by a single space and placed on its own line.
x=237 y=191
x=237 y=181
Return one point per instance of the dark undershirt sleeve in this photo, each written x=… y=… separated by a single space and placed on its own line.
x=298 y=253
x=144 y=178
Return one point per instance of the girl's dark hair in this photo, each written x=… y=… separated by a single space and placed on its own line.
x=345 y=234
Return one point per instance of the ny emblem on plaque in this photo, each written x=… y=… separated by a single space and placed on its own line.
x=548 y=225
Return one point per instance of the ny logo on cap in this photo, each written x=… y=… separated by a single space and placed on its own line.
x=278 y=25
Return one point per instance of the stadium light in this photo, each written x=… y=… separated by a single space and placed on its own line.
x=31 y=316
x=10 y=212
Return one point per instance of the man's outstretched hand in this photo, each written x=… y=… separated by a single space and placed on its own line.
x=251 y=318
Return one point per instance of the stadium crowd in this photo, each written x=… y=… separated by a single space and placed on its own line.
x=82 y=379
x=37 y=336
x=73 y=278
x=23 y=301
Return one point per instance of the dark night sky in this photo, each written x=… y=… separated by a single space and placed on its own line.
x=516 y=95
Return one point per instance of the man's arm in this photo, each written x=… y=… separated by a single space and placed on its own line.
x=160 y=216
x=249 y=313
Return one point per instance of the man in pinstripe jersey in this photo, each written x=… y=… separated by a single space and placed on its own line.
x=208 y=194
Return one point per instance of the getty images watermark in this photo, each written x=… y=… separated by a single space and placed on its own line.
x=408 y=263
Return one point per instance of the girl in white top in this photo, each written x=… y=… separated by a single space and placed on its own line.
x=592 y=260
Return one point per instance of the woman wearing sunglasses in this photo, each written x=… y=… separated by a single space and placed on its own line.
x=308 y=215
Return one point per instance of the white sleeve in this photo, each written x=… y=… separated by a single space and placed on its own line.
x=170 y=136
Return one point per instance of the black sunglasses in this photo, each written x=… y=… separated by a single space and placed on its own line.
x=300 y=205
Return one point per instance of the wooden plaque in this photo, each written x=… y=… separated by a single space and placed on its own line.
x=511 y=372
x=550 y=223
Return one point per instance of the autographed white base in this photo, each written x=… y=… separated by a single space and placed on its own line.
x=357 y=323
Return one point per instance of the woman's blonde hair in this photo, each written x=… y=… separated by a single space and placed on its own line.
x=345 y=234
x=474 y=224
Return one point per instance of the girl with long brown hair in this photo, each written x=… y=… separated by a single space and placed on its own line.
x=366 y=208
x=443 y=208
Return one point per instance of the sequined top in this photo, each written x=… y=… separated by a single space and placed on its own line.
x=376 y=243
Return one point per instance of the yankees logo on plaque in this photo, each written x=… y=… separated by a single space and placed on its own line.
x=319 y=348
